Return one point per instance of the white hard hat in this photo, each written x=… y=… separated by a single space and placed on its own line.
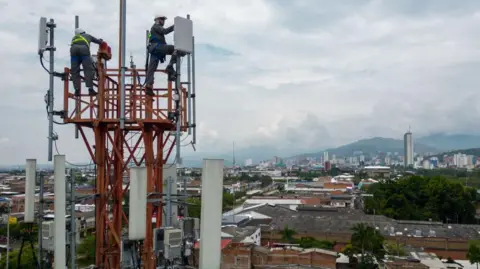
x=160 y=16
x=79 y=31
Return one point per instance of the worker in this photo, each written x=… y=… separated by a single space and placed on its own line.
x=80 y=55
x=158 y=49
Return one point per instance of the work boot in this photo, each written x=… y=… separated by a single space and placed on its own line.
x=92 y=92
x=149 y=90
x=77 y=93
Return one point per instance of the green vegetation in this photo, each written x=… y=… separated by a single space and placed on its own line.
x=394 y=249
x=423 y=198
x=473 y=254
x=310 y=242
x=228 y=201
x=265 y=180
x=366 y=239
x=19 y=229
x=17 y=233
x=287 y=234
x=367 y=242
x=195 y=203
x=194 y=207
x=304 y=242
x=86 y=251
x=27 y=260
x=459 y=175
x=310 y=175
x=367 y=262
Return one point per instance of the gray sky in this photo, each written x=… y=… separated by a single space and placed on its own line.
x=303 y=74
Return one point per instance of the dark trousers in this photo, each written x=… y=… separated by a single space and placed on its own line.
x=156 y=53
x=80 y=56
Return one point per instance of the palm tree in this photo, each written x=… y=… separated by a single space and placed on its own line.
x=366 y=238
x=361 y=236
x=287 y=234
x=473 y=254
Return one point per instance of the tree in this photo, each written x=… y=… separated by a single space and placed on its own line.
x=194 y=207
x=395 y=249
x=287 y=234
x=228 y=200
x=20 y=229
x=266 y=181
x=350 y=251
x=423 y=198
x=473 y=254
x=310 y=242
x=195 y=204
x=27 y=260
x=367 y=262
x=281 y=187
x=86 y=250
x=366 y=238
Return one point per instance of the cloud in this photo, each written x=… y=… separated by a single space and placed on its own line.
x=287 y=74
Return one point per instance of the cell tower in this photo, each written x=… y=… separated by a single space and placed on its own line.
x=130 y=129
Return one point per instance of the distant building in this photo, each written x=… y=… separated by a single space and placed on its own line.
x=426 y=164
x=408 y=148
x=377 y=171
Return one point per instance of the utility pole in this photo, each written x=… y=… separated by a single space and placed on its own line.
x=8 y=230
x=73 y=242
x=40 y=221
x=178 y=158
x=169 y=202
x=51 y=48
x=121 y=64
x=77 y=25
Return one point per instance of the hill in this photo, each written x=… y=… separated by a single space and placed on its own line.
x=472 y=151
x=373 y=146
x=448 y=142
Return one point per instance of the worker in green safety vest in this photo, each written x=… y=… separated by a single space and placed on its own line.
x=159 y=49
x=80 y=56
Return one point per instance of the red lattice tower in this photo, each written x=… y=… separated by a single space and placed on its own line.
x=145 y=140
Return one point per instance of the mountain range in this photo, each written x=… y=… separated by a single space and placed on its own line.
x=435 y=143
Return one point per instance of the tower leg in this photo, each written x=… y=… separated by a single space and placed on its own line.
x=100 y=199
x=159 y=175
x=149 y=259
x=117 y=196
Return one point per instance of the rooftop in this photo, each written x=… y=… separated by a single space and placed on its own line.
x=343 y=219
x=238 y=233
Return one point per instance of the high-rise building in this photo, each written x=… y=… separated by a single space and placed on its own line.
x=325 y=156
x=408 y=149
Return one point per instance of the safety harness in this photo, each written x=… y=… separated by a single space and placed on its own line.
x=79 y=39
x=152 y=39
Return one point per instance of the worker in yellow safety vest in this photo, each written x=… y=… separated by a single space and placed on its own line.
x=80 y=55
x=158 y=49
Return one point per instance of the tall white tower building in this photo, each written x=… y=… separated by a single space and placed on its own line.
x=408 y=149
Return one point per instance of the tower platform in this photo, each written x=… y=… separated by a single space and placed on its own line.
x=140 y=109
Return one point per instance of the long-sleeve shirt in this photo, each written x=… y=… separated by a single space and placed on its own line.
x=89 y=38
x=158 y=32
